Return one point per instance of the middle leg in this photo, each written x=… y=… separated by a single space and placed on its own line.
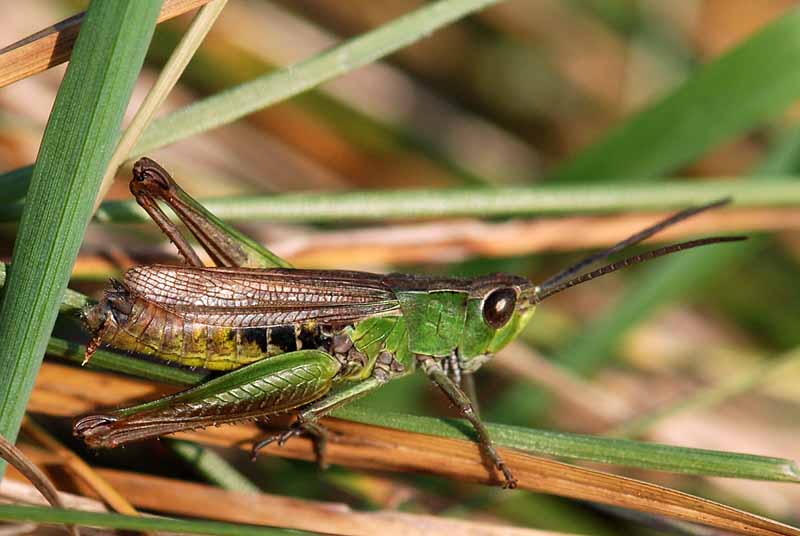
x=306 y=422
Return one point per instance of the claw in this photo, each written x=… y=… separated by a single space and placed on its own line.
x=260 y=445
x=510 y=481
x=317 y=433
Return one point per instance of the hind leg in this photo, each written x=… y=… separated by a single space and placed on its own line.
x=306 y=423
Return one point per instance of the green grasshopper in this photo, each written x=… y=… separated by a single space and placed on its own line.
x=305 y=341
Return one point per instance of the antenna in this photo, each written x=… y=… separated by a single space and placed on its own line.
x=631 y=240
x=542 y=293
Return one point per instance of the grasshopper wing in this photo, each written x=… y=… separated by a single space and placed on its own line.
x=248 y=297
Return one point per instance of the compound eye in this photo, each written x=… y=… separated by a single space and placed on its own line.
x=498 y=307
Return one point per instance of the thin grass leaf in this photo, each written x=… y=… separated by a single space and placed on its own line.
x=263 y=91
x=76 y=147
x=38 y=514
x=104 y=360
x=739 y=89
x=483 y=202
x=71 y=302
x=211 y=466
x=612 y=451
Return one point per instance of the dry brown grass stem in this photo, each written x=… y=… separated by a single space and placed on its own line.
x=448 y=241
x=53 y=45
x=75 y=465
x=181 y=498
x=27 y=468
x=456 y=240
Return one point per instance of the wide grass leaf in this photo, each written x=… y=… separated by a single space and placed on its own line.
x=76 y=147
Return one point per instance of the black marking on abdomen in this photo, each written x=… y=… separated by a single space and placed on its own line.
x=283 y=338
x=256 y=335
x=308 y=337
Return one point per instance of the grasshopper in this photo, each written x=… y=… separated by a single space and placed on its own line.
x=306 y=341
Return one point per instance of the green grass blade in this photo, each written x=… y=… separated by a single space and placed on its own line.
x=739 y=89
x=76 y=147
x=41 y=514
x=14 y=185
x=480 y=202
x=212 y=467
x=723 y=99
x=596 y=449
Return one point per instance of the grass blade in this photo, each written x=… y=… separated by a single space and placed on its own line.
x=263 y=91
x=738 y=90
x=212 y=467
x=77 y=145
x=483 y=202
x=612 y=451
x=103 y=360
x=38 y=514
x=579 y=447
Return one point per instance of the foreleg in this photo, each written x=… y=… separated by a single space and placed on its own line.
x=462 y=402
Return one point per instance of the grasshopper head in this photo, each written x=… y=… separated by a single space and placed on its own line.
x=500 y=305
x=499 y=308
x=115 y=307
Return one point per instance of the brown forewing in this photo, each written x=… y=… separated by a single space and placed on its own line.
x=245 y=296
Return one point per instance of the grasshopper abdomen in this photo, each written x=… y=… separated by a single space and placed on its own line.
x=130 y=322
